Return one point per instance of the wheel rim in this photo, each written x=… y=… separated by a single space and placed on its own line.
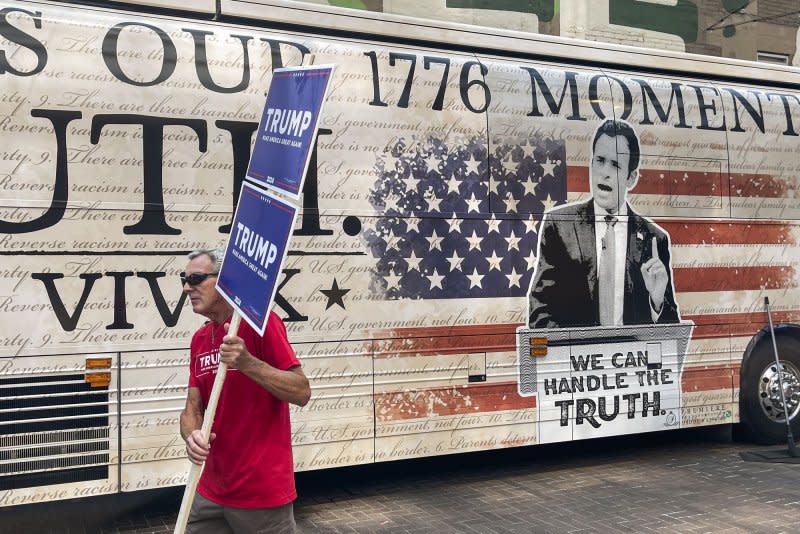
x=769 y=391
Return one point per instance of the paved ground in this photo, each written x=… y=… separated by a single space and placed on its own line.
x=667 y=482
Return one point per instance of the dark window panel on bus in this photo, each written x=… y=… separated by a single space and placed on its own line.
x=196 y=6
x=656 y=36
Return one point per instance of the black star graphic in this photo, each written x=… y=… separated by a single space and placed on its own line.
x=334 y=295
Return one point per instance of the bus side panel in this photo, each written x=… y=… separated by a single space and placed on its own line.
x=58 y=427
x=151 y=397
x=337 y=426
x=414 y=252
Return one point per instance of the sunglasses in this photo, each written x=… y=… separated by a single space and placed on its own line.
x=195 y=278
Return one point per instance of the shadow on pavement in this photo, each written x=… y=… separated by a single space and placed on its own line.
x=154 y=511
x=108 y=513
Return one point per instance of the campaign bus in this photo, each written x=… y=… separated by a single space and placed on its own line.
x=447 y=284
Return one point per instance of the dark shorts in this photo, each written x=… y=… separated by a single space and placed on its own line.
x=207 y=517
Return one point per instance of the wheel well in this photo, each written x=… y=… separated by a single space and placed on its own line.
x=782 y=331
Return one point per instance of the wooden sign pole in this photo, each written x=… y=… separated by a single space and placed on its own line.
x=208 y=419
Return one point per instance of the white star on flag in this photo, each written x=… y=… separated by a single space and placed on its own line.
x=493 y=225
x=432 y=200
x=435 y=279
x=413 y=262
x=391 y=202
x=547 y=167
x=392 y=280
x=513 y=241
x=528 y=150
x=548 y=202
x=411 y=182
x=513 y=278
x=455 y=261
x=452 y=185
x=435 y=240
x=472 y=164
x=432 y=163
x=494 y=261
x=530 y=224
x=455 y=224
x=412 y=223
x=474 y=241
x=511 y=203
x=531 y=260
x=474 y=204
x=392 y=241
x=530 y=186
x=475 y=279
x=510 y=165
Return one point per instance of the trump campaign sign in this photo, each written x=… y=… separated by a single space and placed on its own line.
x=288 y=128
x=256 y=251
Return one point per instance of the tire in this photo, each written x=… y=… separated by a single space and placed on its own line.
x=761 y=404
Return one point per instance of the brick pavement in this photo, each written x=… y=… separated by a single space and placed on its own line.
x=665 y=482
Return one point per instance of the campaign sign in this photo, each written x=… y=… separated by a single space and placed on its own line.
x=254 y=257
x=288 y=128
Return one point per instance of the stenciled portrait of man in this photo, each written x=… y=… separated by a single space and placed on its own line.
x=599 y=263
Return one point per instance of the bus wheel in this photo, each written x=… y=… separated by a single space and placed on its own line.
x=762 y=410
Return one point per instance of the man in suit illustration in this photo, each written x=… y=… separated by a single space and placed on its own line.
x=599 y=262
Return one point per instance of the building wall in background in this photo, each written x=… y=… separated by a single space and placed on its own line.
x=729 y=28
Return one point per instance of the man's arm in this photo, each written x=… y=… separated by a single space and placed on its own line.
x=545 y=285
x=669 y=311
x=656 y=274
x=191 y=423
x=290 y=385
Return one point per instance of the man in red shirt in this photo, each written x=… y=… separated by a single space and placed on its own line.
x=248 y=480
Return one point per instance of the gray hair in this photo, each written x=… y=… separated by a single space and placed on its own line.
x=215 y=254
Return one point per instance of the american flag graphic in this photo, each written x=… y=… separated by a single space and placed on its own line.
x=455 y=227
x=457 y=223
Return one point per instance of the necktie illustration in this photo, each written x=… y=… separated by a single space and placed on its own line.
x=607 y=270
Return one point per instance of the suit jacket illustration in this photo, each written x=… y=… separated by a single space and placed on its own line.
x=564 y=292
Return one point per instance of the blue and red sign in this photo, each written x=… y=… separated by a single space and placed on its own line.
x=256 y=251
x=288 y=128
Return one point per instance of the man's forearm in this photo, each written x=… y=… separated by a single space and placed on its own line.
x=190 y=421
x=289 y=386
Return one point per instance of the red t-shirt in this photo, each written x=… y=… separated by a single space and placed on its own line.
x=250 y=464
